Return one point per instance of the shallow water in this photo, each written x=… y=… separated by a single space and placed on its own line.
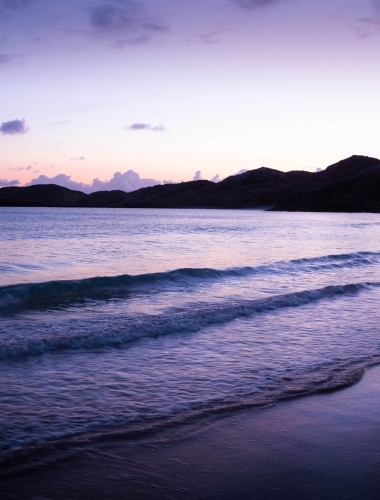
x=133 y=321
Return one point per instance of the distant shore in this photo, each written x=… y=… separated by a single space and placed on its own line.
x=351 y=185
x=322 y=446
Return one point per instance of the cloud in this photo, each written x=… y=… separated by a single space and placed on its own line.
x=5 y=183
x=254 y=4
x=14 y=127
x=211 y=38
x=123 y=16
x=19 y=169
x=112 y=17
x=5 y=58
x=60 y=122
x=138 y=40
x=197 y=176
x=14 y=4
x=216 y=178
x=370 y=21
x=81 y=158
x=61 y=180
x=145 y=126
x=127 y=181
x=366 y=27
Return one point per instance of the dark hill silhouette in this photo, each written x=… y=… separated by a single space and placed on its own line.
x=351 y=185
x=193 y=194
x=40 y=195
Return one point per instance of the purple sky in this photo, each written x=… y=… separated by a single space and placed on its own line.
x=105 y=93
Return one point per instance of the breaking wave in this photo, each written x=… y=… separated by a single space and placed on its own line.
x=322 y=379
x=66 y=292
x=120 y=329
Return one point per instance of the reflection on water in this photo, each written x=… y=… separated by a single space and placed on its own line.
x=134 y=320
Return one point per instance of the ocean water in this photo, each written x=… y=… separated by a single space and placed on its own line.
x=129 y=323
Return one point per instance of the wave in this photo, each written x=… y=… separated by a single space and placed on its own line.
x=118 y=330
x=341 y=260
x=50 y=294
x=325 y=378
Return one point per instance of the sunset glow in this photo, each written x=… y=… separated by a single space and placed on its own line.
x=166 y=88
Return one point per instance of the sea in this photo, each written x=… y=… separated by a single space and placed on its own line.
x=133 y=323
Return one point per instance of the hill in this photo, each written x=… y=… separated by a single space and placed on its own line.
x=351 y=185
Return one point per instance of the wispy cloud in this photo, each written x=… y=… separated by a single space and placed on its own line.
x=60 y=122
x=371 y=21
x=116 y=16
x=145 y=126
x=8 y=58
x=254 y=4
x=364 y=27
x=81 y=158
x=123 y=16
x=14 y=4
x=14 y=127
x=5 y=58
x=20 y=169
x=6 y=183
x=211 y=38
x=137 y=40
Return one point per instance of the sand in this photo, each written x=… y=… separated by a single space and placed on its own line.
x=319 y=447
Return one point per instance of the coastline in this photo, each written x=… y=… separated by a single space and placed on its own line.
x=320 y=446
x=349 y=186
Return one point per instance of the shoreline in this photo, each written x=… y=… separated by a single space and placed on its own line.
x=319 y=446
x=350 y=183
x=259 y=208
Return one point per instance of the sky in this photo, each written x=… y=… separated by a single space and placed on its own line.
x=121 y=94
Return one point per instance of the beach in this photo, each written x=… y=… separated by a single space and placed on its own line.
x=321 y=446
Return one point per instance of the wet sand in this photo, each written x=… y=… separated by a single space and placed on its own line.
x=324 y=446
